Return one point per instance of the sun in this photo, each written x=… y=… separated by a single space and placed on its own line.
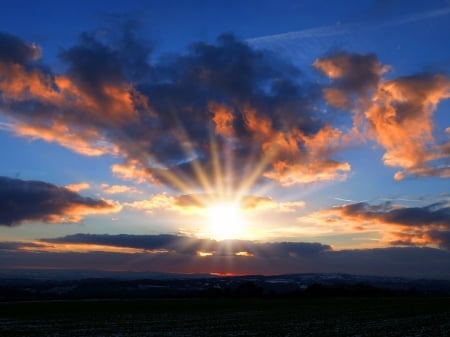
x=224 y=221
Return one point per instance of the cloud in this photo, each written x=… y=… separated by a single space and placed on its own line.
x=118 y=189
x=434 y=214
x=179 y=254
x=352 y=74
x=402 y=105
x=17 y=51
x=40 y=246
x=132 y=170
x=184 y=203
x=78 y=187
x=60 y=133
x=441 y=237
x=398 y=225
x=192 y=246
x=388 y=110
x=25 y=201
x=156 y=202
x=74 y=109
x=220 y=113
x=199 y=203
x=252 y=203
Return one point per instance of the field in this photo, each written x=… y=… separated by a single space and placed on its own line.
x=390 y=316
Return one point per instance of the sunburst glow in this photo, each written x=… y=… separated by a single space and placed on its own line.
x=224 y=221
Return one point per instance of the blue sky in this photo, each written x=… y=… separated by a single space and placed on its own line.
x=304 y=122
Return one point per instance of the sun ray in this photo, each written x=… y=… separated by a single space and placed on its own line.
x=257 y=171
x=216 y=164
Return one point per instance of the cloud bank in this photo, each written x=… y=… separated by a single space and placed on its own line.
x=171 y=253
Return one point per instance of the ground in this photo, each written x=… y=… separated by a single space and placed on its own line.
x=390 y=316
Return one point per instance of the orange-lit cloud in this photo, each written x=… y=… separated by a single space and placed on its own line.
x=86 y=142
x=66 y=110
x=401 y=121
x=132 y=171
x=78 y=187
x=77 y=212
x=223 y=119
x=398 y=114
x=295 y=157
x=396 y=224
x=158 y=202
x=42 y=246
x=118 y=189
x=255 y=203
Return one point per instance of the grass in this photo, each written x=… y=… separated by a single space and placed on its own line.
x=390 y=316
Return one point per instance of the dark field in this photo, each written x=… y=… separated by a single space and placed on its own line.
x=420 y=316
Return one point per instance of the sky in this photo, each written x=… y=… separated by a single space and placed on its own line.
x=226 y=137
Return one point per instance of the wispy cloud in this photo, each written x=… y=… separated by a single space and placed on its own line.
x=119 y=189
x=346 y=28
x=304 y=34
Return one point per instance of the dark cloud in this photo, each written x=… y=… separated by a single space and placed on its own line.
x=277 y=258
x=406 y=226
x=404 y=261
x=435 y=214
x=174 y=243
x=22 y=201
x=353 y=75
x=232 y=100
x=91 y=64
x=441 y=237
x=15 y=50
x=10 y=246
x=192 y=246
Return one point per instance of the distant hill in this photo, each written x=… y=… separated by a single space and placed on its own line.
x=76 y=274
x=82 y=284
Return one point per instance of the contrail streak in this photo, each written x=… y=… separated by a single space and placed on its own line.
x=341 y=29
x=4 y=126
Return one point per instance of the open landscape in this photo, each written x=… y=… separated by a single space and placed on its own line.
x=201 y=305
